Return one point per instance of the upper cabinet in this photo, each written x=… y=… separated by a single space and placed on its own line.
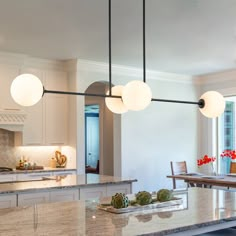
x=47 y=122
x=7 y=75
x=56 y=105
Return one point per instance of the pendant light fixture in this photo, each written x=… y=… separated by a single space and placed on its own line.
x=137 y=95
x=115 y=105
x=27 y=90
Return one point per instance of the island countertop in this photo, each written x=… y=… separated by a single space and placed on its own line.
x=202 y=208
x=61 y=182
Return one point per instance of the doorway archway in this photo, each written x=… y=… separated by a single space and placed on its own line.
x=109 y=132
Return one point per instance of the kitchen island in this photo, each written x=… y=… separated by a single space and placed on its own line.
x=61 y=188
x=202 y=210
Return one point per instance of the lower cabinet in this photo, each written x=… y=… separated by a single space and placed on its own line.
x=92 y=192
x=7 y=201
x=64 y=195
x=8 y=178
x=104 y=191
x=61 y=195
x=28 y=199
x=118 y=188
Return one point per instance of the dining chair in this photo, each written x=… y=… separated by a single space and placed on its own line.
x=232 y=167
x=177 y=168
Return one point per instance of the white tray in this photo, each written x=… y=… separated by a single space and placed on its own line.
x=109 y=208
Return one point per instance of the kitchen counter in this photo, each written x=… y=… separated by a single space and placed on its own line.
x=45 y=170
x=202 y=210
x=61 y=182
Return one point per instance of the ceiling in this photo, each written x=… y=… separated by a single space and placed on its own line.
x=182 y=36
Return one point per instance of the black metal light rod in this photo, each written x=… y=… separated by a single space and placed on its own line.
x=200 y=103
x=80 y=94
x=144 y=47
x=109 y=43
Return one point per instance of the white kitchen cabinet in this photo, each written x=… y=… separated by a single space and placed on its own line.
x=56 y=119
x=29 y=199
x=69 y=172
x=64 y=195
x=118 y=188
x=33 y=176
x=56 y=108
x=8 y=200
x=92 y=192
x=7 y=177
x=46 y=122
x=7 y=75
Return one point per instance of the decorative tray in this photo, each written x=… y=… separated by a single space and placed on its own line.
x=136 y=207
x=30 y=168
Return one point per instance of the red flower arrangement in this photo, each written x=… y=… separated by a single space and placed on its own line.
x=205 y=160
x=229 y=153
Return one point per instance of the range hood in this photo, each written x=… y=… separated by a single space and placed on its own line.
x=12 y=120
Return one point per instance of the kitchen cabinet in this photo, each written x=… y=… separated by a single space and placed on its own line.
x=29 y=199
x=56 y=108
x=46 y=122
x=69 y=172
x=7 y=201
x=92 y=192
x=64 y=195
x=7 y=75
x=118 y=188
x=7 y=177
x=33 y=176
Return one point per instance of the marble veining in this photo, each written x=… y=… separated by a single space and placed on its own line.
x=60 y=182
x=201 y=208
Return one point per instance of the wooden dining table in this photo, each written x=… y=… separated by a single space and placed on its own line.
x=207 y=181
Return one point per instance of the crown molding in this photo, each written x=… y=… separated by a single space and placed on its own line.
x=218 y=77
x=100 y=67
x=23 y=60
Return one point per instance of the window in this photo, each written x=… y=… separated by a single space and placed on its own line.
x=226 y=134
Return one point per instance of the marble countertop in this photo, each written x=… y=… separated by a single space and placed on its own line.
x=201 y=208
x=46 y=169
x=59 y=182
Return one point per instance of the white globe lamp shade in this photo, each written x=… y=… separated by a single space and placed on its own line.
x=136 y=95
x=116 y=105
x=26 y=89
x=214 y=104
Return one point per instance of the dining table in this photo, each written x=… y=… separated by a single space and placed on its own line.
x=207 y=181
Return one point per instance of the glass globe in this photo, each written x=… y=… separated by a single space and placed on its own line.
x=26 y=89
x=214 y=104
x=116 y=105
x=136 y=95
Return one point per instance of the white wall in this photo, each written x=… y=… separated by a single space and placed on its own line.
x=150 y=139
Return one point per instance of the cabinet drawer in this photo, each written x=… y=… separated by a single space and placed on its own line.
x=70 y=172
x=64 y=195
x=119 y=188
x=29 y=199
x=92 y=192
x=7 y=201
x=7 y=178
x=33 y=176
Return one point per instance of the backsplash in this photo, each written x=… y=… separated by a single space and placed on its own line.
x=7 y=149
x=41 y=155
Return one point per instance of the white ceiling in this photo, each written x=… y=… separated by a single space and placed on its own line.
x=182 y=36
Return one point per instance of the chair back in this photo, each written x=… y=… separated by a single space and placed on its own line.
x=179 y=167
x=232 y=167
